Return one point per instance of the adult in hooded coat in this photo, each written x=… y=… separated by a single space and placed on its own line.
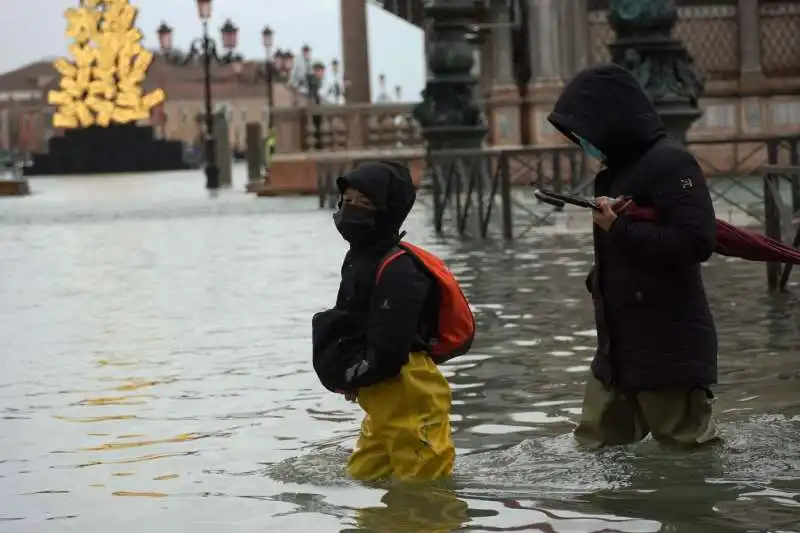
x=372 y=344
x=656 y=358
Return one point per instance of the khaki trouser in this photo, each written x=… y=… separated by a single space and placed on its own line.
x=677 y=417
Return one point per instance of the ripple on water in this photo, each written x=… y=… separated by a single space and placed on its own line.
x=527 y=342
x=537 y=417
x=324 y=468
x=156 y=376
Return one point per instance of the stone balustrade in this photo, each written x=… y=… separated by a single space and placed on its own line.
x=334 y=128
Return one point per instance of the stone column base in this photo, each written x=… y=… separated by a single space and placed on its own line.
x=504 y=108
x=547 y=85
x=751 y=79
x=542 y=96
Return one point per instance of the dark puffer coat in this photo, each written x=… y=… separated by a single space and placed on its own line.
x=654 y=326
x=367 y=337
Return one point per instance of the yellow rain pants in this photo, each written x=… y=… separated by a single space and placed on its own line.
x=406 y=432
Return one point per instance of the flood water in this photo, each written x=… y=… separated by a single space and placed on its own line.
x=156 y=377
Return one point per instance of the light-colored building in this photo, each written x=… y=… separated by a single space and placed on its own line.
x=241 y=94
x=25 y=115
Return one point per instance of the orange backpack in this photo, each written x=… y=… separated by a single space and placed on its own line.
x=456 y=324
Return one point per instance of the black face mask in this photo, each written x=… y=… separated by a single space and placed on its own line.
x=356 y=224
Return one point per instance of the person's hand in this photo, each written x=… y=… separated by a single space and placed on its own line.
x=351 y=396
x=606 y=215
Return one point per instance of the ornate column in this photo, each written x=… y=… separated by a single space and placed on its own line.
x=750 y=74
x=545 y=28
x=355 y=52
x=750 y=42
x=551 y=35
x=559 y=39
x=502 y=60
x=505 y=104
x=576 y=35
x=449 y=113
x=662 y=64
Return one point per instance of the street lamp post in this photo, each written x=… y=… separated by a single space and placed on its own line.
x=645 y=45
x=314 y=73
x=277 y=69
x=449 y=114
x=383 y=97
x=207 y=48
x=336 y=91
x=269 y=70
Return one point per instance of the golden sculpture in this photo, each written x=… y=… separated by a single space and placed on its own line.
x=102 y=84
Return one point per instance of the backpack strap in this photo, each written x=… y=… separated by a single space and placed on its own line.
x=394 y=254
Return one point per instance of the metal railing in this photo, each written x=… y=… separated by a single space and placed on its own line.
x=468 y=188
x=466 y=183
x=782 y=221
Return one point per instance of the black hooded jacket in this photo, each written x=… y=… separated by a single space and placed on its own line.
x=368 y=336
x=655 y=329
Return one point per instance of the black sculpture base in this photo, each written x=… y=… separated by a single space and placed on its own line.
x=111 y=150
x=678 y=116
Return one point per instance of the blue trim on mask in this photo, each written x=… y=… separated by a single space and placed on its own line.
x=591 y=150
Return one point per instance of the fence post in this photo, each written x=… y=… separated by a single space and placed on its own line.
x=576 y=168
x=505 y=195
x=255 y=144
x=772 y=224
x=794 y=161
x=436 y=187
x=322 y=182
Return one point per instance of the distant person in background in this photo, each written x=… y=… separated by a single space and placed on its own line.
x=269 y=151
x=656 y=357
x=398 y=313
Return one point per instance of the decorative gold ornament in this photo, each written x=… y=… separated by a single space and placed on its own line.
x=102 y=84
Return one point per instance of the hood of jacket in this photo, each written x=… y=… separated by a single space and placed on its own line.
x=607 y=106
x=388 y=185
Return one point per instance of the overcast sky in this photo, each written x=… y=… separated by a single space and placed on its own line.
x=34 y=29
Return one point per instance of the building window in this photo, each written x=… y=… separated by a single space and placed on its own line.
x=786 y=113
x=721 y=116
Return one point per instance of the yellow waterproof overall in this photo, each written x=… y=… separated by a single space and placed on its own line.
x=406 y=432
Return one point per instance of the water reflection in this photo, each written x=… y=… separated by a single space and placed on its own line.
x=413 y=508
x=156 y=375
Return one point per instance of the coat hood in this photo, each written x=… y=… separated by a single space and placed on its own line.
x=388 y=186
x=606 y=106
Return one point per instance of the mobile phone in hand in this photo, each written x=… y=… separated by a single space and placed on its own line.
x=560 y=199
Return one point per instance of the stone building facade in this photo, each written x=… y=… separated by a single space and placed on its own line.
x=26 y=117
x=747 y=50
